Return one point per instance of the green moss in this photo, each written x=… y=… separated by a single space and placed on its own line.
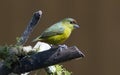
x=4 y=52
x=59 y=70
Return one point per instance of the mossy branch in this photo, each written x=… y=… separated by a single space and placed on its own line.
x=16 y=64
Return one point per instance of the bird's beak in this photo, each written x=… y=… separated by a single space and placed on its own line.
x=76 y=26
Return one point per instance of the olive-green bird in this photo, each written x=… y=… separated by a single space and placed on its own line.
x=59 y=32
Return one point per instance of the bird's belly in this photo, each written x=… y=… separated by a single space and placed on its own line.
x=58 y=39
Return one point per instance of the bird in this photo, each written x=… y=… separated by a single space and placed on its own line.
x=58 y=32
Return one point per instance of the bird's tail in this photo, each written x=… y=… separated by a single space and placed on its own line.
x=37 y=39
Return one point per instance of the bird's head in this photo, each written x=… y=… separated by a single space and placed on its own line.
x=71 y=23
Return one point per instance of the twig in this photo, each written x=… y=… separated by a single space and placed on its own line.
x=32 y=24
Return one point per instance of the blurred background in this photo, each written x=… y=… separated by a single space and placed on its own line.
x=98 y=37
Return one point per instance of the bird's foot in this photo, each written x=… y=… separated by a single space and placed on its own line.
x=62 y=47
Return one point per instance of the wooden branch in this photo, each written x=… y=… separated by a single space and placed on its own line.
x=32 y=24
x=47 y=58
x=4 y=70
x=40 y=60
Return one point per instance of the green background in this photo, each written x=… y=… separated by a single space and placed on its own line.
x=98 y=36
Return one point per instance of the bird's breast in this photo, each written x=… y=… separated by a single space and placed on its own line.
x=58 y=39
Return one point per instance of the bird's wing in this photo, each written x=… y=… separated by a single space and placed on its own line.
x=55 y=29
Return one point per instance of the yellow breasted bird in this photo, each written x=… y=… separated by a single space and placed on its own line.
x=59 y=32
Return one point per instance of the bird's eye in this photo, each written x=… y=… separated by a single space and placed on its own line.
x=72 y=22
